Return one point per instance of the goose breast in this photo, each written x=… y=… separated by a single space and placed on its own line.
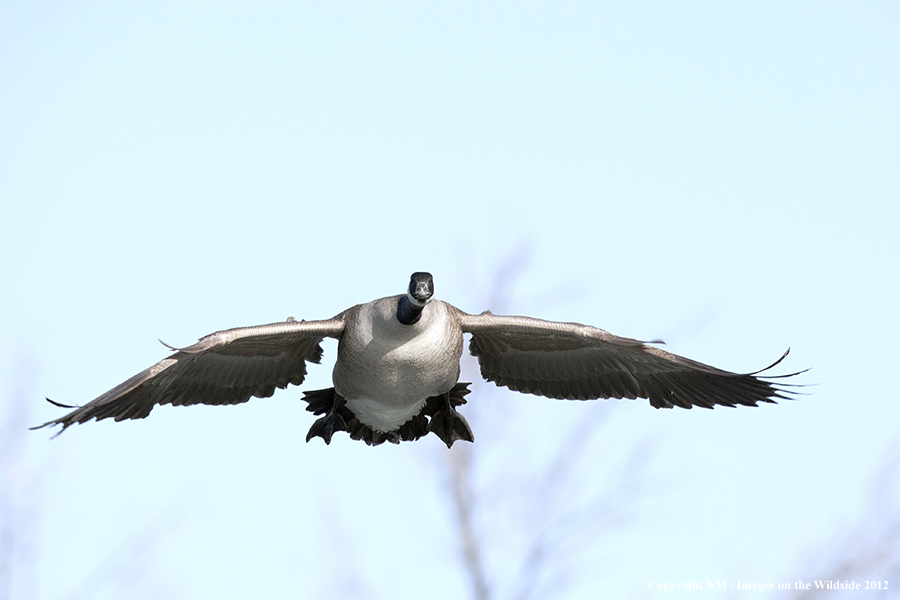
x=386 y=370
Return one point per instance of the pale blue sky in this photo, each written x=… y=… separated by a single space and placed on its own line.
x=722 y=176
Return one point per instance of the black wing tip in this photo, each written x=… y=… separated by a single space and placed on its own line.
x=774 y=364
x=62 y=421
x=60 y=404
x=780 y=389
x=65 y=425
x=170 y=347
x=754 y=389
x=784 y=376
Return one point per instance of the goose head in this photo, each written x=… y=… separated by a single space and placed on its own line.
x=421 y=288
x=419 y=293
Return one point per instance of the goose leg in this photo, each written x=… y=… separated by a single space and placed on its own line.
x=325 y=401
x=446 y=422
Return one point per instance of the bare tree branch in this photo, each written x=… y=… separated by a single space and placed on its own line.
x=554 y=525
x=127 y=560
x=871 y=550
x=19 y=521
x=460 y=462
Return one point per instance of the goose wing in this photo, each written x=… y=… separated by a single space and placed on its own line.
x=578 y=362
x=226 y=367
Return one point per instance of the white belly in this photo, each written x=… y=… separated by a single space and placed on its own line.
x=386 y=370
x=384 y=416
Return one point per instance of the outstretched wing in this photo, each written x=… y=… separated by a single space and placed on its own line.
x=226 y=367
x=578 y=362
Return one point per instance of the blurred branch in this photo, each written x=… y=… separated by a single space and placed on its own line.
x=510 y=270
x=464 y=503
x=128 y=559
x=871 y=550
x=552 y=528
x=18 y=529
x=580 y=523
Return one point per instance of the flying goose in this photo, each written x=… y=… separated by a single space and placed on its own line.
x=398 y=363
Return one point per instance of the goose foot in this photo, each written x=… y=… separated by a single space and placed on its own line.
x=446 y=422
x=325 y=401
x=324 y=427
x=450 y=427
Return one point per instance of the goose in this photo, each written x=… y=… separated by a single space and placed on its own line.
x=396 y=377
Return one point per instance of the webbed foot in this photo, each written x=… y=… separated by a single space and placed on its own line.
x=324 y=427
x=450 y=426
x=329 y=403
x=446 y=422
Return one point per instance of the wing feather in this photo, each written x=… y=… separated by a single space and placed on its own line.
x=578 y=362
x=226 y=367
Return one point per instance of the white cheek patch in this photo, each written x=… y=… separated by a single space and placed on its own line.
x=416 y=302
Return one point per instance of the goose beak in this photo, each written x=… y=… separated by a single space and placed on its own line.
x=421 y=288
x=422 y=293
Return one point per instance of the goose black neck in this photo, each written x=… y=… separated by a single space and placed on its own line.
x=407 y=312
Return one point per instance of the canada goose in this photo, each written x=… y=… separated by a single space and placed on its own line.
x=397 y=368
